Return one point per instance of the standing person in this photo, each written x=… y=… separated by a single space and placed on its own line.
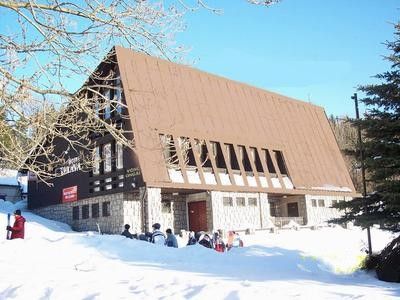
x=219 y=244
x=192 y=240
x=126 y=232
x=171 y=239
x=206 y=241
x=157 y=237
x=18 y=229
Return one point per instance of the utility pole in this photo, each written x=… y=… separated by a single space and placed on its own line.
x=361 y=149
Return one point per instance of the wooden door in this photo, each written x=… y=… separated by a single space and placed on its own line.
x=197 y=216
x=293 y=209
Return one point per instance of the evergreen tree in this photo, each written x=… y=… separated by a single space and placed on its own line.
x=381 y=139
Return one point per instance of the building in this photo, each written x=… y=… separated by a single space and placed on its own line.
x=210 y=154
x=13 y=186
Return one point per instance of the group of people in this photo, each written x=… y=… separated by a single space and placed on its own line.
x=155 y=237
x=215 y=242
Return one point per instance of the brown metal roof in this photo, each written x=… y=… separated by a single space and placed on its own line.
x=167 y=98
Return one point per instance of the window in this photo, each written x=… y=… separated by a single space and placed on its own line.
x=118 y=94
x=321 y=203
x=107 y=157
x=314 y=202
x=75 y=213
x=281 y=162
x=120 y=158
x=334 y=202
x=96 y=161
x=256 y=158
x=252 y=201
x=106 y=209
x=268 y=159
x=95 y=210
x=240 y=201
x=85 y=211
x=244 y=158
x=107 y=109
x=166 y=207
x=232 y=157
x=228 y=201
x=108 y=187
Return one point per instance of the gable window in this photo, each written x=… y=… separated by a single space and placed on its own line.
x=96 y=161
x=120 y=158
x=107 y=108
x=107 y=157
x=118 y=94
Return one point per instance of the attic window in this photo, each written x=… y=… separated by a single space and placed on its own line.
x=244 y=158
x=268 y=159
x=232 y=157
x=256 y=158
x=107 y=98
x=169 y=151
x=281 y=162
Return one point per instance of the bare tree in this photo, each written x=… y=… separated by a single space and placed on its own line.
x=50 y=47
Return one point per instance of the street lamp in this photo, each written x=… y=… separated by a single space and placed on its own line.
x=361 y=149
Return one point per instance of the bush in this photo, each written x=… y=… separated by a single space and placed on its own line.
x=370 y=262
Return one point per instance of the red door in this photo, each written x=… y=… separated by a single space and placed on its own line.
x=197 y=216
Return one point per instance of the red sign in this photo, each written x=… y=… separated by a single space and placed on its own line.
x=70 y=194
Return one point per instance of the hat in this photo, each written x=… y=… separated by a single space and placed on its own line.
x=17 y=212
x=156 y=226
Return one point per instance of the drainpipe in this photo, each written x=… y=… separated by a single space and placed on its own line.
x=261 y=215
x=144 y=214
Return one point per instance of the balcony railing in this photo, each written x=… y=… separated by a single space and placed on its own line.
x=282 y=221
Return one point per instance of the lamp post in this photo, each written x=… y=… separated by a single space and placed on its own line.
x=361 y=149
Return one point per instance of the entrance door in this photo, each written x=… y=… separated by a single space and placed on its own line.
x=197 y=216
x=292 y=209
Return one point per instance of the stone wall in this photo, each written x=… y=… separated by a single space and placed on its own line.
x=108 y=224
x=319 y=214
x=239 y=217
x=133 y=212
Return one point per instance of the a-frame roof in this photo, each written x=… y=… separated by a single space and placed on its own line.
x=167 y=98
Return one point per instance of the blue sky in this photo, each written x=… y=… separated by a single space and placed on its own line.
x=311 y=50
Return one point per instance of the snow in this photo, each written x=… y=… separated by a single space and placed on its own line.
x=331 y=187
x=53 y=262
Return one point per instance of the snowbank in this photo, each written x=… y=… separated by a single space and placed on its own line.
x=54 y=262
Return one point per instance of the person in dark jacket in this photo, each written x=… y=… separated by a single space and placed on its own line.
x=192 y=240
x=126 y=232
x=18 y=229
x=171 y=239
x=206 y=241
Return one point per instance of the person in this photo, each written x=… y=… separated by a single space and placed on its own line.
x=126 y=232
x=18 y=229
x=206 y=241
x=171 y=239
x=192 y=240
x=234 y=240
x=219 y=244
x=157 y=237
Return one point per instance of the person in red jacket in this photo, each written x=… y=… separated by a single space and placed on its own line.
x=18 y=230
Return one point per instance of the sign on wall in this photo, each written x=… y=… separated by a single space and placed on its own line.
x=70 y=194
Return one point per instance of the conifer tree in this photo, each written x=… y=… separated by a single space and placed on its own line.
x=381 y=140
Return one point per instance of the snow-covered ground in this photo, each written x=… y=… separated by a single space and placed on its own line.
x=53 y=262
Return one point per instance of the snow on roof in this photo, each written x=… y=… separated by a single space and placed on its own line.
x=8 y=177
x=13 y=178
